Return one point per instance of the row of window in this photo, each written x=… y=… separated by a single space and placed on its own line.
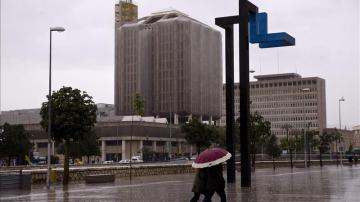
x=291 y=118
x=276 y=105
x=277 y=92
x=299 y=125
x=285 y=83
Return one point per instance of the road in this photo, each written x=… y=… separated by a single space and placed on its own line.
x=329 y=183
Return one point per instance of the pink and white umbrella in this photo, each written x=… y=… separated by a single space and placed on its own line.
x=211 y=157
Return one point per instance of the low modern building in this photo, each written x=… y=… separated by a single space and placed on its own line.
x=286 y=99
x=117 y=134
x=349 y=140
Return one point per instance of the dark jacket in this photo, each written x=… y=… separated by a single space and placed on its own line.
x=199 y=185
x=215 y=179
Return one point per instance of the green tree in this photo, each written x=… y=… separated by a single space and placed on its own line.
x=290 y=143
x=14 y=142
x=199 y=134
x=325 y=140
x=73 y=117
x=272 y=148
x=222 y=136
x=259 y=131
x=312 y=143
x=139 y=104
x=337 y=138
x=87 y=146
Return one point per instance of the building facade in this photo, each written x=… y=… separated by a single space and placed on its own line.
x=286 y=99
x=117 y=134
x=174 y=62
x=356 y=131
x=349 y=139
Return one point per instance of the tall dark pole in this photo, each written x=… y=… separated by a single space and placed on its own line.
x=52 y=29
x=49 y=120
x=229 y=60
x=244 y=92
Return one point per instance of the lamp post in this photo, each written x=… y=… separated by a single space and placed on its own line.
x=342 y=99
x=52 y=29
x=304 y=90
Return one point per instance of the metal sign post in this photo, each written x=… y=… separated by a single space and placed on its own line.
x=248 y=14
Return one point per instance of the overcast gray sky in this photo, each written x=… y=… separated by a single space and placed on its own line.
x=327 y=34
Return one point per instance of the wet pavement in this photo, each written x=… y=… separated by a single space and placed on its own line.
x=330 y=183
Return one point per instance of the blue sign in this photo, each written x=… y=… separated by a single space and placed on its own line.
x=259 y=33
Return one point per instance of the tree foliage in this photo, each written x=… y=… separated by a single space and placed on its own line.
x=14 y=142
x=259 y=133
x=73 y=114
x=272 y=148
x=73 y=117
x=199 y=134
x=222 y=136
x=88 y=146
x=139 y=104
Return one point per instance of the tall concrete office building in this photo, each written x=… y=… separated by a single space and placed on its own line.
x=125 y=11
x=174 y=62
x=286 y=99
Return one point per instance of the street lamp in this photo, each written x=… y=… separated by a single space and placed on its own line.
x=304 y=90
x=52 y=29
x=342 y=99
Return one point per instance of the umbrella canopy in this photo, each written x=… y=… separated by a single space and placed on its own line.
x=211 y=157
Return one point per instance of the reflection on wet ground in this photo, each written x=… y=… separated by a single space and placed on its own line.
x=330 y=183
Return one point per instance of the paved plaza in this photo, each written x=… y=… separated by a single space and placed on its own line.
x=330 y=183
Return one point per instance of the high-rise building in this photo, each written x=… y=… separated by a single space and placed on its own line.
x=286 y=99
x=125 y=11
x=174 y=62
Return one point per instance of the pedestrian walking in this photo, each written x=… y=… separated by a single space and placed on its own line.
x=199 y=186
x=215 y=183
x=212 y=160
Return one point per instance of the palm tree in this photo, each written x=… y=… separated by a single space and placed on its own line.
x=324 y=142
x=337 y=137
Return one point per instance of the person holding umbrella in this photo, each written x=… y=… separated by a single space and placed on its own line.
x=199 y=186
x=211 y=161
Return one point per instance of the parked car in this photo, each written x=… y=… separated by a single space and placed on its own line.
x=124 y=161
x=193 y=157
x=136 y=159
x=108 y=162
x=182 y=158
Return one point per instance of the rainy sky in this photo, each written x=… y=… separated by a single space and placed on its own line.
x=327 y=34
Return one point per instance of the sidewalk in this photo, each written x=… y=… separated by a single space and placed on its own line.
x=330 y=183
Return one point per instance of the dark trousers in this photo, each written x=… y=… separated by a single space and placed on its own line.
x=196 y=197
x=220 y=192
